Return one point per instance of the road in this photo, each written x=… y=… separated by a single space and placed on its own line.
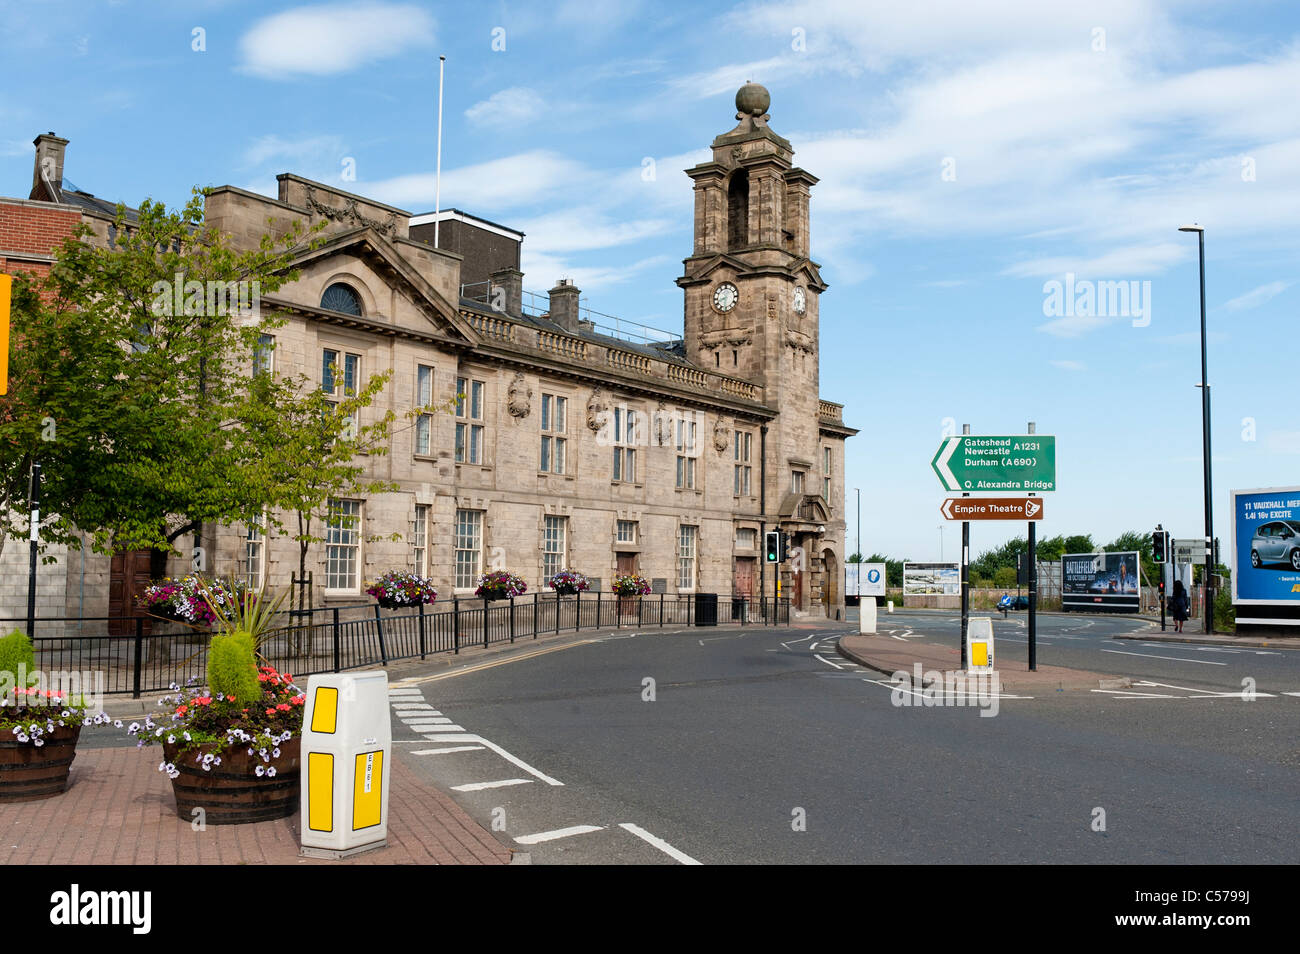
x=764 y=746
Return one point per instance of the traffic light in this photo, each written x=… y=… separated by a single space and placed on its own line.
x=772 y=546
x=1159 y=546
x=785 y=547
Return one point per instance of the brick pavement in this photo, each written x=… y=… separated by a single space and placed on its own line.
x=119 y=810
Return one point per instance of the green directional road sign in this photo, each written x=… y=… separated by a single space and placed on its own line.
x=1023 y=463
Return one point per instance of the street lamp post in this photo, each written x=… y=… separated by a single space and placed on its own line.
x=1205 y=444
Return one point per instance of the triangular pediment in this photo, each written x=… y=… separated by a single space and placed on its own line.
x=375 y=268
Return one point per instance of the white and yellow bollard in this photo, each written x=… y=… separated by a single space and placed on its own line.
x=979 y=645
x=346 y=747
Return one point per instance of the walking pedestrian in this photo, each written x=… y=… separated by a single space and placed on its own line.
x=1180 y=606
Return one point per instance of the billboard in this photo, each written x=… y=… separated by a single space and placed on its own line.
x=931 y=579
x=864 y=579
x=1101 y=582
x=1266 y=547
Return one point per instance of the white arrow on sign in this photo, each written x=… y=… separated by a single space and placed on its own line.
x=945 y=472
x=947 y=508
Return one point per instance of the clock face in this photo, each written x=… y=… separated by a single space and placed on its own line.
x=800 y=301
x=725 y=297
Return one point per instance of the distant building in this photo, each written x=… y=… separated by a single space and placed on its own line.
x=572 y=446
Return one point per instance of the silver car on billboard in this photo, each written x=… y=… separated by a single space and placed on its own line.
x=1276 y=542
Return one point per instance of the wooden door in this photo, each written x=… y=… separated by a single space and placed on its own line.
x=129 y=573
x=626 y=605
x=742 y=578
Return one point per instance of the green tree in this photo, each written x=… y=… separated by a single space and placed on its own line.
x=129 y=381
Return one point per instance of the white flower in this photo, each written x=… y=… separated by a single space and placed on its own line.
x=171 y=740
x=270 y=772
x=260 y=771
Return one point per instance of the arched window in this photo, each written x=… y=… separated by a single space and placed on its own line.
x=342 y=298
x=738 y=210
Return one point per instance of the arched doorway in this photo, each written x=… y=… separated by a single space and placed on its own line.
x=830 y=582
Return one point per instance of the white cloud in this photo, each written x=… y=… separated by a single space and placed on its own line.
x=588 y=228
x=1127 y=262
x=524 y=179
x=543 y=269
x=332 y=38
x=1074 y=326
x=1257 y=296
x=312 y=149
x=1283 y=442
x=511 y=107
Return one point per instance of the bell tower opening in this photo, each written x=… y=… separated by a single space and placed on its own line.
x=738 y=210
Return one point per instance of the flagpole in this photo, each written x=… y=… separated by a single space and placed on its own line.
x=437 y=182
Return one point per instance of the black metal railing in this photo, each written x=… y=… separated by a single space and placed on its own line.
x=140 y=655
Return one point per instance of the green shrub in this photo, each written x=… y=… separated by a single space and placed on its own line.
x=1225 y=614
x=232 y=667
x=16 y=650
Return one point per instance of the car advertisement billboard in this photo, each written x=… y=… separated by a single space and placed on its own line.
x=1101 y=582
x=931 y=579
x=1266 y=546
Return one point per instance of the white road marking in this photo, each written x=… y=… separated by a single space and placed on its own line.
x=448 y=750
x=438 y=737
x=1203 y=662
x=402 y=706
x=542 y=836
x=403 y=691
x=427 y=720
x=437 y=728
x=1297 y=694
x=920 y=693
x=659 y=843
x=480 y=786
x=804 y=640
x=1206 y=693
x=827 y=661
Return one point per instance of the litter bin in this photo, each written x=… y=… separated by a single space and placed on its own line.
x=706 y=609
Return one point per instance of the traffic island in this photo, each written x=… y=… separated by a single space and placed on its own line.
x=889 y=656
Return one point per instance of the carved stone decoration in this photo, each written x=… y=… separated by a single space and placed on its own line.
x=663 y=425
x=721 y=436
x=597 y=410
x=349 y=213
x=519 y=397
x=798 y=342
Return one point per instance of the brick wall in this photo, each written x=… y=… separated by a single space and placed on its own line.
x=29 y=231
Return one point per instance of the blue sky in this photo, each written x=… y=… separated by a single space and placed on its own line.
x=969 y=153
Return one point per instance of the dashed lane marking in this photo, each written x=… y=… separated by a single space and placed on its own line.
x=659 y=843
x=542 y=836
x=480 y=786
x=448 y=750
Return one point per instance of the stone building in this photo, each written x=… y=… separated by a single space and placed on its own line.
x=569 y=446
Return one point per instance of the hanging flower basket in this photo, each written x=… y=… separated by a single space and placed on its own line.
x=630 y=585
x=181 y=600
x=500 y=585
x=397 y=589
x=568 y=583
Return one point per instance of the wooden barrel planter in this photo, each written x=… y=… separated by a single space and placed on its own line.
x=232 y=793
x=29 y=772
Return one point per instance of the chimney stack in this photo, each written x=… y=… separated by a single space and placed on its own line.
x=48 y=168
x=507 y=291
x=564 y=305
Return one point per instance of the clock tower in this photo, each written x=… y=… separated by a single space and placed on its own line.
x=751 y=289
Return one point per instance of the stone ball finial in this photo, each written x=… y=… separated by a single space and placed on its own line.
x=752 y=100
